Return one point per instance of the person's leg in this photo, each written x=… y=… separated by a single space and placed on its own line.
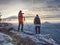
x=36 y=29
x=22 y=27
x=18 y=26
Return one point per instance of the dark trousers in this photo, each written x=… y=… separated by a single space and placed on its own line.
x=37 y=29
x=20 y=27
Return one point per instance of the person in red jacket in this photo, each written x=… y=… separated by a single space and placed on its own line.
x=20 y=21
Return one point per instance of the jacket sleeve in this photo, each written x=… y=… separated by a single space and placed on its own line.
x=40 y=21
x=34 y=20
x=24 y=18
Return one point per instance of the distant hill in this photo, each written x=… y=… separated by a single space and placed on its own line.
x=15 y=17
x=51 y=25
x=10 y=18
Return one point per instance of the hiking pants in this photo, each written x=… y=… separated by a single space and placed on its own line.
x=20 y=27
x=37 y=29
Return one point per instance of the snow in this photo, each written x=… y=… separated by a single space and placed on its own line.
x=1 y=37
x=38 y=38
x=30 y=33
x=8 y=44
x=3 y=41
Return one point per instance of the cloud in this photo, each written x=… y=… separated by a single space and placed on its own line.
x=35 y=3
x=46 y=3
x=13 y=5
x=4 y=1
x=52 y=16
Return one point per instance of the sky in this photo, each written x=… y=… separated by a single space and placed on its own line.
x=47 y=9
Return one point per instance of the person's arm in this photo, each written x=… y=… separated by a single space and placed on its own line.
x=22 y=13
x=40 y=21
x=34 y=20
x=24 y=18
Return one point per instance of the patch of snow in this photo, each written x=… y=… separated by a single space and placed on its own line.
x=39 y=38
x=1 y=37
x=5 y=35
x=3 y=41
x=8 y=44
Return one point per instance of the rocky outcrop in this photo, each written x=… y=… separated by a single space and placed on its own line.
x=19 y=40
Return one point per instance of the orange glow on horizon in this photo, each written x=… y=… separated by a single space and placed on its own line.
x=32 y=21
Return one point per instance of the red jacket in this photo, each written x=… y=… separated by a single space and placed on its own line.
x=20 y=17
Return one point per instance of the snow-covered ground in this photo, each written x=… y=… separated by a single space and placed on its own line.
x=5 y=39
x=38 y=38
